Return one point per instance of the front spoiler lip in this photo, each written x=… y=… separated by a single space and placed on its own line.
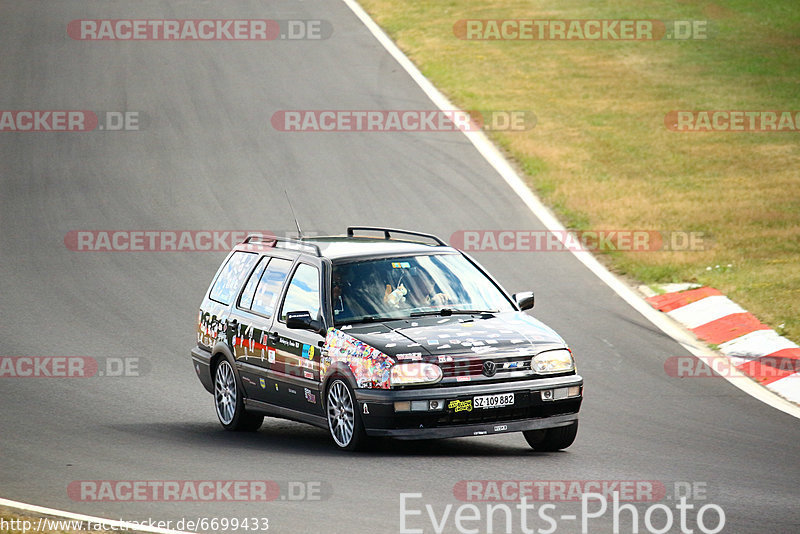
x=439 y=392
x=476 y=429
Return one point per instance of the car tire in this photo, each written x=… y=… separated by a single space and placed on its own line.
x=344 y=420
x=229 y=400
x=551 y=439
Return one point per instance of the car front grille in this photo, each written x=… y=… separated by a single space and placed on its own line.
x=474 y=366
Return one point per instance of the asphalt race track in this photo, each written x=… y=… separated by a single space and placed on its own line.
x=206 y=158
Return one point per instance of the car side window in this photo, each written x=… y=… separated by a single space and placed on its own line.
x=303 y=292
x=246 y=300
x=233 y=274
x=269 y=287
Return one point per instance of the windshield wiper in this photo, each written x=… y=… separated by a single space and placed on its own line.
x=368 y=319
x=446 y=312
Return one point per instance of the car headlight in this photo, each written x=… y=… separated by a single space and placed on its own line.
x=409 y=374
x=553 y=361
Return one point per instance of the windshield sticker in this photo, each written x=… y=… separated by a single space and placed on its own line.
x=401 y=265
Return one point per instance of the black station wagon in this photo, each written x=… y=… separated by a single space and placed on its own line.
x=395 y=334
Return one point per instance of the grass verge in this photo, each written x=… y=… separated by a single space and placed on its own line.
x=600 y=154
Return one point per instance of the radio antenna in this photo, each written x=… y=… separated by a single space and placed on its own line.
x=299 y=231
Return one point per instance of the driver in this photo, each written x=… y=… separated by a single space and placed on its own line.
x=425 y=294
x=420 y=292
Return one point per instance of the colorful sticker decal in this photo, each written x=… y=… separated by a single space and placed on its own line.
x=310 y=397
x=416 y=356
x=271 y=355
x=262 y=383
x=370 y=366
x=401 y=265
x=308 y=352
x=210 y=325
x=247 y=342
x=308 y=374
x=461 y=406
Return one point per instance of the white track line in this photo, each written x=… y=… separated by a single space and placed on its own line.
x=108 y=523
x=504 y=168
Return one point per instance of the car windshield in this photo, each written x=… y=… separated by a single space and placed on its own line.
x=401 y=287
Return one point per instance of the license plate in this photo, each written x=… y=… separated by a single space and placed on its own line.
x=493 y=401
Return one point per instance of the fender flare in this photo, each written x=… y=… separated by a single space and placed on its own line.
x=341 y=369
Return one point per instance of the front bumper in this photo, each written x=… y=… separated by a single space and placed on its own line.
x=529 y=411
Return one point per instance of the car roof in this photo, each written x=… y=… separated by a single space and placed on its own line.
x=339 y=248
x=343 y=247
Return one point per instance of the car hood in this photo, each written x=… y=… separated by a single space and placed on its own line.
x=501 y=335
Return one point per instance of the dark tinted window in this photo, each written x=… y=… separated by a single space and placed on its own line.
x=303 y=292
x=232 y=276
x=269 y=287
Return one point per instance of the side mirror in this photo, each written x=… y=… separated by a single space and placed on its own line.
x=524 y=300
x=301 y=320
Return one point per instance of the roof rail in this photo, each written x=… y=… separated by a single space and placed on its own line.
x=387 y=233
x=275 y=240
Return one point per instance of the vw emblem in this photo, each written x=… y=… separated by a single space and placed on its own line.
x=489 y=368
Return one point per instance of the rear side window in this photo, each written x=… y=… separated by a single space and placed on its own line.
x=246 y=300
x=232 y=276
x=269 y=287
x=303 y=292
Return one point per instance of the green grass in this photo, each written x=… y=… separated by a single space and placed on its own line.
x=600 y=154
